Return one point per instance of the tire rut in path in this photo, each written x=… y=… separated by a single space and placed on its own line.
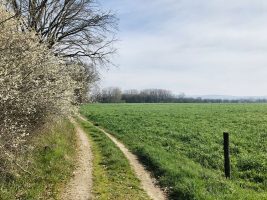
x=147 y=182
x=80 y=185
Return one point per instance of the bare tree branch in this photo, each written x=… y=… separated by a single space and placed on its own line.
x=72 y=28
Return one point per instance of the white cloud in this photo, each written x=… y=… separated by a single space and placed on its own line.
x=198 y=47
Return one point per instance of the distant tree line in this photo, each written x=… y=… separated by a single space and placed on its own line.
x=116 y=95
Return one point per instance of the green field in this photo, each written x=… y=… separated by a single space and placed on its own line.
x=182 y=145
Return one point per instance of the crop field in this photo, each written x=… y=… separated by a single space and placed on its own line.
x=182 y=144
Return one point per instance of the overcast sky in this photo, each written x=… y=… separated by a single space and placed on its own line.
x=196 y=47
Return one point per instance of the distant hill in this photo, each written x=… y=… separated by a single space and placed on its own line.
x=227 y=97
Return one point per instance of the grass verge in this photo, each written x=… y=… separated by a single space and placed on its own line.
x=51 y=164
x=113 y=177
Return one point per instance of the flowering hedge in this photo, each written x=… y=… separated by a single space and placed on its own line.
x=34 y=84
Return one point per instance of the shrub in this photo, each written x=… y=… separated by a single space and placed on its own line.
x=34 y=84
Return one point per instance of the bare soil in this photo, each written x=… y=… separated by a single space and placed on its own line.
x=80 y=186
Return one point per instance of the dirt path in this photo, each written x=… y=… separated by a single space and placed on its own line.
x=79 y=188
x=148 y=183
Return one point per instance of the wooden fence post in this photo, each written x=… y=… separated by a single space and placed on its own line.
x=227 y=168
